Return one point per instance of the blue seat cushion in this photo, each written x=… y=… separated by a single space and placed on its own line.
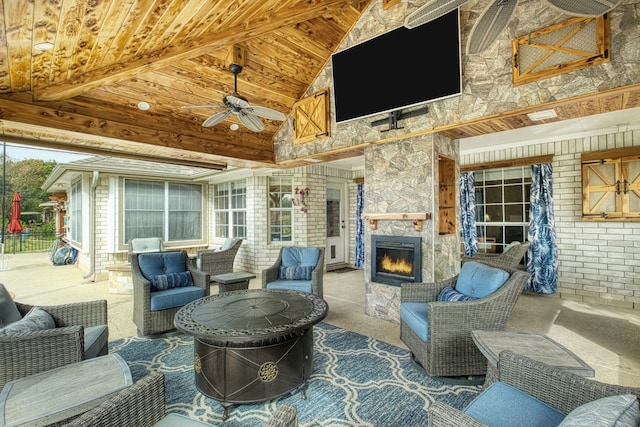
x=416 y=316
x=155 y=263
x=175 y=297
x=479 y=280
x=295 y=256
x=179 y=420
x=502 y=405
x=95 y=339
x=293 y=285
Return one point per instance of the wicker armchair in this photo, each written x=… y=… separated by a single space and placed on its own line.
x=510 y=258
x=558 y=388
x=38 y=351
x=219 y=261
x=151 y=322
x=450 y=350
x=271 y=276
x=143 y=405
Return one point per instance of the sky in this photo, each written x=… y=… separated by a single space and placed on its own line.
x=18 y=152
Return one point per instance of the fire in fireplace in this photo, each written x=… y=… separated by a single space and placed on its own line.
x=396 y=259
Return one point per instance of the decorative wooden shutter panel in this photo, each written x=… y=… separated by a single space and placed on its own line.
x=311 y=117
x=559 y=49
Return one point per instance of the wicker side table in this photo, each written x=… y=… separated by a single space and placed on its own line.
x=535 y=346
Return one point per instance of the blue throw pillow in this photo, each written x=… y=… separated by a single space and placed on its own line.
x=479 y=280
x=450 y=294
x=301 y=272
x=163 y=282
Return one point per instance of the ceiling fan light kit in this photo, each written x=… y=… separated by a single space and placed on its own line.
x=249 y=115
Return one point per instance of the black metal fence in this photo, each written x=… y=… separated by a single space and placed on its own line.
x=33 y=241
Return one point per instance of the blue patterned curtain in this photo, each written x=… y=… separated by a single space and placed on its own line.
x=468 y=213
x=359 y=261
x=543 y=253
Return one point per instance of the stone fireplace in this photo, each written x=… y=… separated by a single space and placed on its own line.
x=396 y=259
x=402 y=180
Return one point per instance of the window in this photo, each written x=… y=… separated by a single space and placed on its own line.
x=169 y=210
x=502 y=207
x=280 y=209
x=76 y=211
x=230 y=206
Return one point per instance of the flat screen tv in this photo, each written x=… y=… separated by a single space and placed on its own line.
x=398 y=69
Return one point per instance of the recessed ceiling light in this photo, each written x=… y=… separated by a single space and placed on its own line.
x=144 y=106
x=44 y=46
x=312 y=160
x=542 y=115
x=234 y=126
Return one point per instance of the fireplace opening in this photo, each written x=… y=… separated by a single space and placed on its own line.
x=396 y=259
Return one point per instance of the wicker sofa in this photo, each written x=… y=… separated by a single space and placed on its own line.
x=80 y=332
x=143 y=405
x=531 y=380
x=440 y=339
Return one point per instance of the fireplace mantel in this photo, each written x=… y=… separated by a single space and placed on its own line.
x=416 y=217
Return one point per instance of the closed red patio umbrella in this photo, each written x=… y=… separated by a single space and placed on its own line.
x=14 y=223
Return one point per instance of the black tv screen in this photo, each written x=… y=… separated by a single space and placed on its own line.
x=388 y=72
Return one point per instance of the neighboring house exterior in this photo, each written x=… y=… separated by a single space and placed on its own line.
x=111 y=200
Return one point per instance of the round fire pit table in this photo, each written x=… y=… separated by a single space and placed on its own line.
x=252 y=345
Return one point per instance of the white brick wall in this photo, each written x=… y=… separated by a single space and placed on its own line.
x=597 y=261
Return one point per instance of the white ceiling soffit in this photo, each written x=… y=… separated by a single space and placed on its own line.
x=598 y=124
x=430 y=11
x=585 y=7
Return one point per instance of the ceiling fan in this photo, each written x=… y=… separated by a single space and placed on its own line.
x=248 y=114
x=497 y=14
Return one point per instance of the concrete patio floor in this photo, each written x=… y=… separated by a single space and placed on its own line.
x=605 y=337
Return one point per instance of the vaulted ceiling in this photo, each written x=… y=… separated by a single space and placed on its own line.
x=108 y=56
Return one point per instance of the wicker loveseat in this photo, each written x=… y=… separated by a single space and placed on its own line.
x=532 y=393
x=178 y=283
x=438 y=332
x=77 y=331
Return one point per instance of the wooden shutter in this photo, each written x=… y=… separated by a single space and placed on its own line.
x=311 y=117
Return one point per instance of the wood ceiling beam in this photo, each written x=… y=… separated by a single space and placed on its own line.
x=43 y=114
x=189 y=48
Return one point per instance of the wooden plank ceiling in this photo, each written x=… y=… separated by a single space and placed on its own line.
x=107 y=56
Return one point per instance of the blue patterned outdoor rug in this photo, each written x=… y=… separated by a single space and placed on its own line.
x=356 y=381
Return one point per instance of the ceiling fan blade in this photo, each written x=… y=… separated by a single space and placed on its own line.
x=266 y=113
x=216 y=118
x=235 y=101
x=592 y=8
x=430 y=11
x=251 y=121
x=493 y=20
